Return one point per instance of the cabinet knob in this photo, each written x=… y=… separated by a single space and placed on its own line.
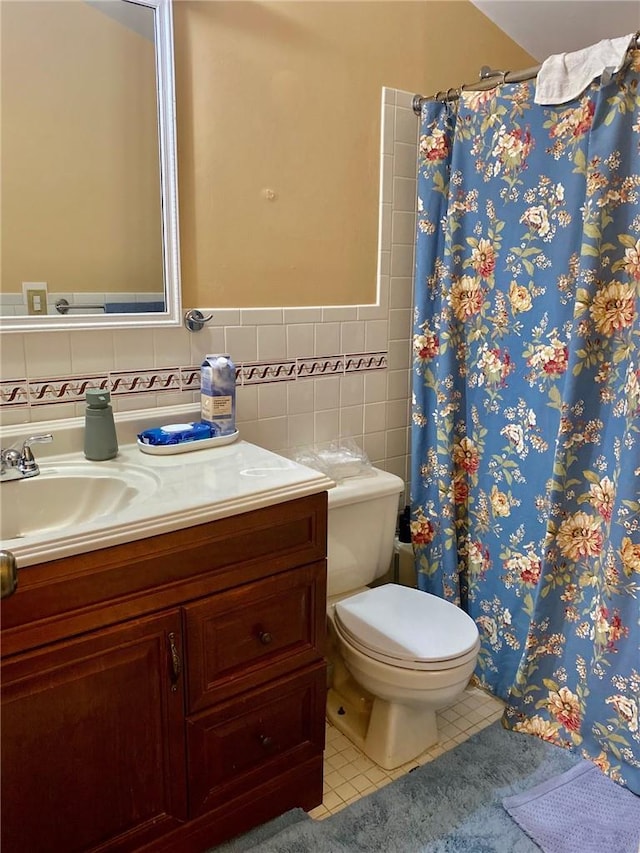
x=265 y=637
x=266 y=741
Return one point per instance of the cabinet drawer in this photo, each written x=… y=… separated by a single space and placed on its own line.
x=241 y=744
x=247 y=636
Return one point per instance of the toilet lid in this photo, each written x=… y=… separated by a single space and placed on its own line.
x=406 y=624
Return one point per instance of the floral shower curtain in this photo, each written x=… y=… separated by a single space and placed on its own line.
x=526 y=402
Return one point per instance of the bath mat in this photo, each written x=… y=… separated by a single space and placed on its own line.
x=580 y=811
x=259 y=835
x=450 y=805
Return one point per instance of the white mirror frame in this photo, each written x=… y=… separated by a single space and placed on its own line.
x=171 y=316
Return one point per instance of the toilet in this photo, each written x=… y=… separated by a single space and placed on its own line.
x=396 y=654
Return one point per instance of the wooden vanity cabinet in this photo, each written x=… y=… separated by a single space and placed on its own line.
x=91 y=741
x=166 y=694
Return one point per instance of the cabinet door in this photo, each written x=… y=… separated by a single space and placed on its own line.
x=93 y=740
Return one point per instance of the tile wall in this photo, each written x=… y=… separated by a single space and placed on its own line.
x=15 y=304
x=305 y=375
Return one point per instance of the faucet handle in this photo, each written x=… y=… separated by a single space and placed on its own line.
x=44 y=438
x=27 y=461
x=10 y=458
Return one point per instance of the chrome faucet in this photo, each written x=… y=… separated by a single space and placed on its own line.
x=19 y=464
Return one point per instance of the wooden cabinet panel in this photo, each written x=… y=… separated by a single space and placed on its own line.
x=240 y=744
x=88 y=591
x=92 y=742
x=109 y=744
x=253 y=634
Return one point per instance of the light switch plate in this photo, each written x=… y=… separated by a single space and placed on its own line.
x=35 y=297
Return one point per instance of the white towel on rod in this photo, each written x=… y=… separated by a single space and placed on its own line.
x=565 y=76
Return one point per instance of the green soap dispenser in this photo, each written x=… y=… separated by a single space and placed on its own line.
x=100 y=439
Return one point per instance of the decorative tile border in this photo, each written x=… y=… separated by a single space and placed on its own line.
x=254 y=372
x=67 y=389
x=14 y=392
x=154 y=381
x=328 y=366
x=21 y=393
x=190 y=378
x=365 y=361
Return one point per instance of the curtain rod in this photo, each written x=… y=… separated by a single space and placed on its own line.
x=489 y=78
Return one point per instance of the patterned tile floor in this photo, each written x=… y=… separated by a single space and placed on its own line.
x=349 y=774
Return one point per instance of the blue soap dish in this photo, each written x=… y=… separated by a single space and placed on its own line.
x=187 y=446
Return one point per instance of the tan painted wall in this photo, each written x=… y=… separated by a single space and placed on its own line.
x=284 y=98
x=80 y=173
x=278 y=137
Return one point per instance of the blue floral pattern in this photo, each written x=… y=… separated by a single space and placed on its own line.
x=526 y=402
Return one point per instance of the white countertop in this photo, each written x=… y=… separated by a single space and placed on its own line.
x=187 y=489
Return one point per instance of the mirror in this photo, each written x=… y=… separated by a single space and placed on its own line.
x=89 y=196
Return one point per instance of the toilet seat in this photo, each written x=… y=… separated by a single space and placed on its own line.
x=407 y=628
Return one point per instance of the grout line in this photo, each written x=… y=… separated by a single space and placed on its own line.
x=350 y=775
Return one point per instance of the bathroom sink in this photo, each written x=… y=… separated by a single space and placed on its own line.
x=69 y=494
x=74 y=506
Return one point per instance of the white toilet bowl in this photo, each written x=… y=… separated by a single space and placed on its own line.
x=397 y=655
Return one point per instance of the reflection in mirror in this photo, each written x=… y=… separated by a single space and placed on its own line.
x=89 y=184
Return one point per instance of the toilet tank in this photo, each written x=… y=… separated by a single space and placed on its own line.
x=361 y=526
